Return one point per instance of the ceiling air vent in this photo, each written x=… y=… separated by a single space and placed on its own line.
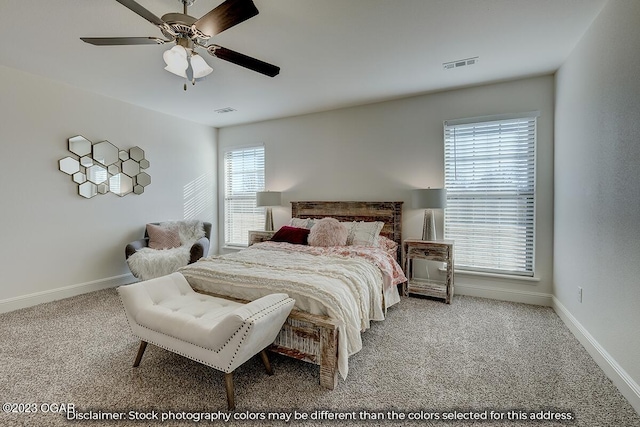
x=460 y=63
x=224 y=110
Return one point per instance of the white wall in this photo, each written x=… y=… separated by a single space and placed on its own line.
x=56 y=243
x=597 y=190
x=382 y=151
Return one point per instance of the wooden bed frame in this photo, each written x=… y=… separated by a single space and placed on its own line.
x=314 y=338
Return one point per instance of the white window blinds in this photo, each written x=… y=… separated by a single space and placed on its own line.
x=243 y=177
x=490 y=182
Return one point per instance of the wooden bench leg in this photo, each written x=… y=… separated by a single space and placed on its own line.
x=228 y=384
x=141 y=349
x=265 y=361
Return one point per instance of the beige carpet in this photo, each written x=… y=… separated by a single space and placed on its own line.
x=427 y=359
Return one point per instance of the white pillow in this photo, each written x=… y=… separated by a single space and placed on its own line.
x=363 y=233
x=301 y=222
x=348 y=224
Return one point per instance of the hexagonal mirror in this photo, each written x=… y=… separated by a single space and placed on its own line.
x=97 y=174
x=121 y=184
x=114 y=169
x=88 y=189
x=79 y=145
x=144 y=163
x=79 y=177
x=136 y=153
x=131 y=167
x=69 y=165
x=86 y=161
x=103 y=188
x=138 y=189
x=123 y=155
x=143 y=179
x=105 y=153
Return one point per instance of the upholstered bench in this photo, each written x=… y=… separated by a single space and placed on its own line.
x=216 y=332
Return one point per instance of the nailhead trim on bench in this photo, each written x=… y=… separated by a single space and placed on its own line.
x=263 y=312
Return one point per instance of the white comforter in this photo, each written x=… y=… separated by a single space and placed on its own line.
x=346 y=289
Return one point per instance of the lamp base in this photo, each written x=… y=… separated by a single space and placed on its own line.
x=429 y=226
x=268 y=220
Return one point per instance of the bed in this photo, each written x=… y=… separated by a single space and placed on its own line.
x=320 y=333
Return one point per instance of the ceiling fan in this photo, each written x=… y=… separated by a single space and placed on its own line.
x=190 y=33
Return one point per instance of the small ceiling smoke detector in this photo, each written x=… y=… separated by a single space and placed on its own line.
x=460 y=63
x=225 y=110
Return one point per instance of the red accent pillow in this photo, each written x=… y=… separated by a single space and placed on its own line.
x=295 y=235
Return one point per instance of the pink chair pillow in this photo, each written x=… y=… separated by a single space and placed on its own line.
x=162 y=238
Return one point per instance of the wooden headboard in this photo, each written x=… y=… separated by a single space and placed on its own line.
x=388 y=212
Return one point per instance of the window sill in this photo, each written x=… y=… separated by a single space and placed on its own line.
x=494 y=275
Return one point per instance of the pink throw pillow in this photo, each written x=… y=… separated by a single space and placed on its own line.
x=162 y=238
x=328 y=232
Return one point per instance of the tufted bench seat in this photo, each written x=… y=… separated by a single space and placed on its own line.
x=219 y=333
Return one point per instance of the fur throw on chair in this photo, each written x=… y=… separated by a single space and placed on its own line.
x=149 y=263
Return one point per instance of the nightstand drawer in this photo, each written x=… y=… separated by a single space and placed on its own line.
x=434 y=252
x=257 y=236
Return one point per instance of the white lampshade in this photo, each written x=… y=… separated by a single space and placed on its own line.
x=176 y=60
x=429 y=198
x=268 y=198
x=200 y=67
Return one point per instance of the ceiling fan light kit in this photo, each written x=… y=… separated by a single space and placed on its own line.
x=199 y=66
x=176 y=60
x=190 y=33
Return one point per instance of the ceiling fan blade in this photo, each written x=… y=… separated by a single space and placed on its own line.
x=226 y=15
x=245 y=61
x=117 y=41
x=135 y=7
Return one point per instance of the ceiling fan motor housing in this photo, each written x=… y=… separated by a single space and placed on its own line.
x=180 y=25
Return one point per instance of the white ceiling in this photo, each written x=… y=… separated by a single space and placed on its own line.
x=332 y=53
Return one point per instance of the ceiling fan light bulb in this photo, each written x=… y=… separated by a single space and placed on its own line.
x=200 y=67
x=177 y=55
x=180 y=50
x=176 y=60
x=178 y=71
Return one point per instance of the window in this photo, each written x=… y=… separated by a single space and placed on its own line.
x=243 y=177
x=490 y=180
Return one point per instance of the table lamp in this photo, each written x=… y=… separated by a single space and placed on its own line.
x=429 y=199
x=268 y=199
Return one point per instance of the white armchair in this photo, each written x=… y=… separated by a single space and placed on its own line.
x=216 y=332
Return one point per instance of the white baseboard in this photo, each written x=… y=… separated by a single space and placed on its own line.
x=627 y=386
x=526 y=297
x=24 y=301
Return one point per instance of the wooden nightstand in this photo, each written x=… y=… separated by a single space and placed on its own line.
x=257 y=236
x=437 y=250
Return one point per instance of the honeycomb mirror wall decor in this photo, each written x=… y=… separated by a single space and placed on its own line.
x=101 y=168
